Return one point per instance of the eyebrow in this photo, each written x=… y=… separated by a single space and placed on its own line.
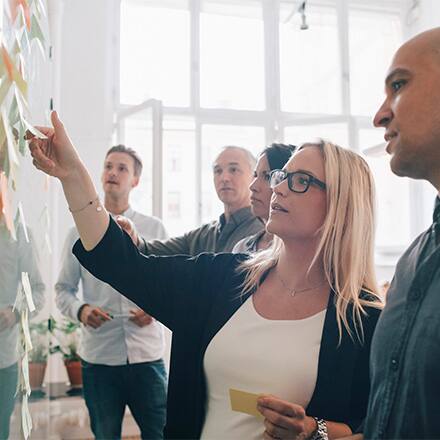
x=228 y=164
x=396 y=72
x=109 y=162
x=302 y=171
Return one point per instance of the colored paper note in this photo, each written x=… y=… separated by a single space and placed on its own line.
x=27 y=291
x=6 y=208
x=23 y=221
x=245 y=402
x=26 y=333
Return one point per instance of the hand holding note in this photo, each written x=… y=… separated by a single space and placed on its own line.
x=55 y=154
x=285 y=420
x=245 y=402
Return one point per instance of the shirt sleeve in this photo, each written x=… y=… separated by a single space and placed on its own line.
x=172 y=246
x=67 y=284
x=164 y=287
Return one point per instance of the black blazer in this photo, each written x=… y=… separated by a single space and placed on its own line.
x=194 y=297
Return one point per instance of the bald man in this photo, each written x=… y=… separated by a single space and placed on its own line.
x=405 y=354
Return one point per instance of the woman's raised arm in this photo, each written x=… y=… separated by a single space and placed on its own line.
x=56 y=156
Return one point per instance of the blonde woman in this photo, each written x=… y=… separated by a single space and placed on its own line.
x=293 y=323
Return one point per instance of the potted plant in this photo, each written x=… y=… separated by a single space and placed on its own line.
x=38 y=354
x=67 y=336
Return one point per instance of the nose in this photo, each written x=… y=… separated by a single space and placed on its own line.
x=384 y=115
x=225 y=177
x=254 y=185
x=281 y=189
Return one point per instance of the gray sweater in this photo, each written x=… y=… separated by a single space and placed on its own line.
x=217 y=236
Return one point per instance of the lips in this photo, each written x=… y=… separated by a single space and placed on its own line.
x=276 y=207
x=255 y=200
x=389 y=136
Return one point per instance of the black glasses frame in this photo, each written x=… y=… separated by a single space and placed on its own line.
x=289 y=176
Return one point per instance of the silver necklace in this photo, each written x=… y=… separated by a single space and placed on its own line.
x=293 y=292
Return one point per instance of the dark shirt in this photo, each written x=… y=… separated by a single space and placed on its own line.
x=217 y=236
x=405 y=357
x=249 y=244
x=195 y=297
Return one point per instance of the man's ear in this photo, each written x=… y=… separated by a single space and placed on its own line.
x=135 y=182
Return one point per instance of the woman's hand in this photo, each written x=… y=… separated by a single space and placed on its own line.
x=55 y=155
x=285 y=420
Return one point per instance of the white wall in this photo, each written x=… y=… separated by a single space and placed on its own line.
x=87 y=82
x=425 y=16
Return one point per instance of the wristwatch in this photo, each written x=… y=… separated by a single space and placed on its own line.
x=321 y=431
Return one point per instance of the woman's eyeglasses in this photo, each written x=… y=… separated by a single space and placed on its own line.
x=298 y=181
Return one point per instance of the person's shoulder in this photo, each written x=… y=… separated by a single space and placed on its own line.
x=203 y=229
x=222 y=259
x=143 y=221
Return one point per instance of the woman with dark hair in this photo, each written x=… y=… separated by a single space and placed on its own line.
x=271 y=158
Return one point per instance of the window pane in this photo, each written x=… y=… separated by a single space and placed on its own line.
x=373 y=39
x=214 y=137
x=179 y=175
x=309 y=61
x=298 y=134
x=139 y=136
x=371 y=137
x=392 y=205
x=232 y=55
x=155 y=53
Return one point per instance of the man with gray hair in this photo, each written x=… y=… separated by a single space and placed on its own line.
x=233 y=169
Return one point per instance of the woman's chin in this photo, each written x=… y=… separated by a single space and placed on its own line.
x=272 y=227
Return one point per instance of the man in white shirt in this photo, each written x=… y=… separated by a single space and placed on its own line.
x=122 y=346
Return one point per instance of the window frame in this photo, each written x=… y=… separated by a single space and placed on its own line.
x=272 y=118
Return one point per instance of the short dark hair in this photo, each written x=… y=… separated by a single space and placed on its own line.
x=278 y=154
x=132 y=153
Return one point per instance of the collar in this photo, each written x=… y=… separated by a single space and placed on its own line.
x=127 y=213
x=237 y=217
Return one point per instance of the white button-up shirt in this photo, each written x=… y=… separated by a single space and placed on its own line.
x=16 y=257
x=119 y=340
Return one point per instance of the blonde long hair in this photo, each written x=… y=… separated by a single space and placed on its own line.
x=347 y=238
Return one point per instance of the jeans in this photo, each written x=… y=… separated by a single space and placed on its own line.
x=108 y=389
x=8 y=386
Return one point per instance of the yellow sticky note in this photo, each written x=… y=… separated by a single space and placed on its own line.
x=245 y=402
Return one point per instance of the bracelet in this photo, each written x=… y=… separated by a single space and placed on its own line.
x=321 y=431
x=98 y=208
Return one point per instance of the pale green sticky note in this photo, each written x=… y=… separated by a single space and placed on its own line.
x=25 y=373
x=26 y=332
x=245 y=402
x=27 y=291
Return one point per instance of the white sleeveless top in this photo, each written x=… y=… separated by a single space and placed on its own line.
x=262 y=356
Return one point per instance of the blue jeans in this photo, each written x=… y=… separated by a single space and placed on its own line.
x=8 y=386
x=108 y=389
